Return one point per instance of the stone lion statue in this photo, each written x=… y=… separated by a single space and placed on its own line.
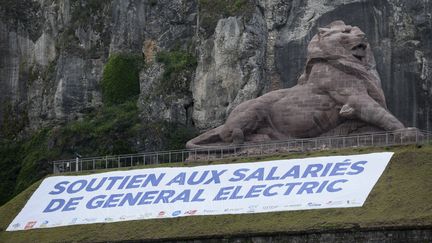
x=339 y=93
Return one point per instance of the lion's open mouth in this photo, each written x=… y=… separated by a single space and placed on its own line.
x=359 y=51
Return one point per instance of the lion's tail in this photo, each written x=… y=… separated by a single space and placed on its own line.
x=208 y=138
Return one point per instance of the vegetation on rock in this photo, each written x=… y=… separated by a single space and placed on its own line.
x=86 y=15
x=179 y=67
x=120 y=79
x=115 y=129
x=22 y=163
x=23 y=13
x=14 y=120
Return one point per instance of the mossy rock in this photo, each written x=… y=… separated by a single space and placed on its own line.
x=179 y=67
x=120 y=79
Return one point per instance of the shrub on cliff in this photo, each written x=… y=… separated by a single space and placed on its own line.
x=120 y=79
x=179 y=66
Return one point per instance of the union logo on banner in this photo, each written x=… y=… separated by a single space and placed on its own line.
x=161 y=214
x=30 y=225
x=191 y=212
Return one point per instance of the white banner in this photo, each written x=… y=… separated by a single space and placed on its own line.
x=280 y=185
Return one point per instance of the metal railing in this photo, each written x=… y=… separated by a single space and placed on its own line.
x=243 y=150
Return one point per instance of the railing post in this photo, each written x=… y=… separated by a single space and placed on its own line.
x=144 y=159
x=106 y=162
x=386 y=138
x=77 y=164
x=416 y=137
x=358 y=140
x=372 y=139
x=118 y=161
x=182 y=155
x=221 y=153
x=93 y=164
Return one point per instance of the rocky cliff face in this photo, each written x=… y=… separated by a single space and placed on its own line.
x=53 y=54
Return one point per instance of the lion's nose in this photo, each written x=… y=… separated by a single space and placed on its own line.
x=358 y=32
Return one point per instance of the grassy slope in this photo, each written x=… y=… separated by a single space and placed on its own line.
x=402 y=197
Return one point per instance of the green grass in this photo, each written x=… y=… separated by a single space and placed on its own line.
x=401 y=198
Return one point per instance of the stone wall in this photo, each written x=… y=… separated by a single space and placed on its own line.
x=379 y=235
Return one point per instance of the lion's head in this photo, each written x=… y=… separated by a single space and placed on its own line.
x=346 y=48
x=340 y=41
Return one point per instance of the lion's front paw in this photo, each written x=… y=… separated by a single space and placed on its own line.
x=237 y=136
x=409 y=133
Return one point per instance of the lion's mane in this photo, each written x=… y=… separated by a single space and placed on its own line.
x=334 y=45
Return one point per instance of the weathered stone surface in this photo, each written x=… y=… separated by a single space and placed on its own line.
x=168 y=25
x=339 y=83
x=46 y=72
x=381 y=235
x=77 y=88
x=230 y=69
x=155 y=106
